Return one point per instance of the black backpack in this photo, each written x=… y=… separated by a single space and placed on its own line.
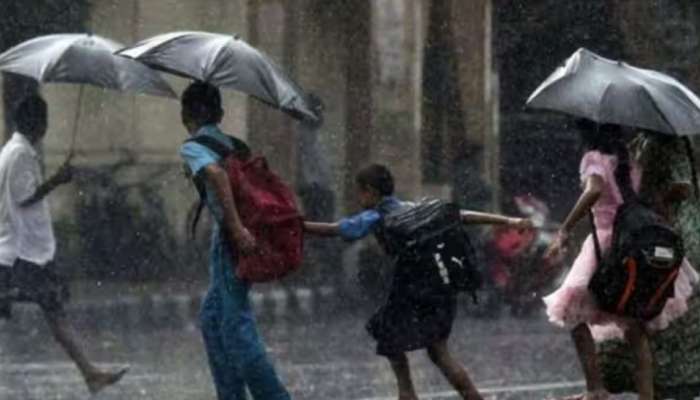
x=430 y=235
x=637 y=275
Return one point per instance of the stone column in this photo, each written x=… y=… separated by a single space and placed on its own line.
x=472 y=28
x=320 y=68
x=272 y=132
x=355 y=19
x=397 y=31
x=458 y=109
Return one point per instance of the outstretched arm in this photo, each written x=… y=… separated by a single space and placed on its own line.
x=476 y=217
x=322 y=228
x=350 y=228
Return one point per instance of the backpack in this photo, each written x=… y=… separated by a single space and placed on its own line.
x=637 y=275
x=430 y=235
x=267 y=208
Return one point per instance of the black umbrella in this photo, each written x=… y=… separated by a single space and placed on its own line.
x=224 y=61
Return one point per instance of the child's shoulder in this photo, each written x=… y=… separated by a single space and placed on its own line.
x=597 y=160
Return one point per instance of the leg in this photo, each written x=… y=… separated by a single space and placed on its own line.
x=452 y=370
x=585 y=349
x=242 y=342
x=644 y=376
x=227 y=381
x=95 y=378
x=402 y=371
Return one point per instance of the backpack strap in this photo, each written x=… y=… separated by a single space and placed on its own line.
x=691 y=159
x=596 y=241
x=238 y=149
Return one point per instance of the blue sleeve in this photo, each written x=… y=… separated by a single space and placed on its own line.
x=197 y=156
x=359 y=225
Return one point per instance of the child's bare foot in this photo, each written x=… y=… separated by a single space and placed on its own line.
x=101 y=379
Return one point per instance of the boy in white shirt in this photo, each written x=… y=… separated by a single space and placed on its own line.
x=27 y=243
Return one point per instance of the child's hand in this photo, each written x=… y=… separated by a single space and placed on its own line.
x=63 y=175
x=557 y=248
x=244 y=241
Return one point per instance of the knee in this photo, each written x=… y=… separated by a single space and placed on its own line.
x=244 y=338
x=580 y=332
x=397 y=359
x=437 y=354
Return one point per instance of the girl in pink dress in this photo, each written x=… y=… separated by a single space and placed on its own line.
x=604 y=168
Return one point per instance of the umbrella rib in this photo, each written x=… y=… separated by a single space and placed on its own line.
x=54 y=63
x=658 y=110
x=215 y=56
x=602 y=99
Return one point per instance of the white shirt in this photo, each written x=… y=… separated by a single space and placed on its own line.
x=25 y=232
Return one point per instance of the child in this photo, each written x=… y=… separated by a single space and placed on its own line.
x=407 y=321
x=27 y=242
x=605 y=168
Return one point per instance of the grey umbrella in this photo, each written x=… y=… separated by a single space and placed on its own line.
x=224 y=61
x=82 y=58
x=607 y=91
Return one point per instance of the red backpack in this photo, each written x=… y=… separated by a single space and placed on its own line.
x=267 y=208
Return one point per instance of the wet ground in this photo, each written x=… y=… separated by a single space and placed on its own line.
x=320 y=358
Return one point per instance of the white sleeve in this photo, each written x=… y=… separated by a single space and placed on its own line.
x=24 y=177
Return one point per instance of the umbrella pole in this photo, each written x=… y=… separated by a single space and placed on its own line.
x=76 y=124
x=691 y=160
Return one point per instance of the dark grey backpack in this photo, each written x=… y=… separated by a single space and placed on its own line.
x=429 y=235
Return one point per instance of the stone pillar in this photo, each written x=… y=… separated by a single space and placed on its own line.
x=319 y=63
x=397 y=31
x=457 y=101
x=271 y=131
x=472 y=29
x=356 y=22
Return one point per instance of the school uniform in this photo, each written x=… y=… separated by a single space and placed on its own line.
x=414 y=314
x=27 y=242
x=237 y=356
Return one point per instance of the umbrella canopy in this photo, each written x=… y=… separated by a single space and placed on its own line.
x=82 y=58
x=608 y=91
x=224 y=61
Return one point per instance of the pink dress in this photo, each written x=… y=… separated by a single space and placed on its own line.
x=573 y=304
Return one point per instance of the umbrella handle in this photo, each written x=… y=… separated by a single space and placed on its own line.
x=76 y=123
x=691 y=160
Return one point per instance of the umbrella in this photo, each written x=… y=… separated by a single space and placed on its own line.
x=82 y=59
x=224 y=61
x=607 y=91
